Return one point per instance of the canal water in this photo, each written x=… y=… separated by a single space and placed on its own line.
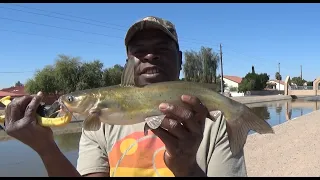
x=16 y=159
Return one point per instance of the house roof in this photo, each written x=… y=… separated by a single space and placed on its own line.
x=16 y=90
x=4 y=93
x=234 y=78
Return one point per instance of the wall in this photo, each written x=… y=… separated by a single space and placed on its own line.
x=281 y=86
x=313 y=92
x=266 y=92
x=230 y=83
x=277 y=85
x=302 y=92
x=236 y=94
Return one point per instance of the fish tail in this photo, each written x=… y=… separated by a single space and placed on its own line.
x=238 y=131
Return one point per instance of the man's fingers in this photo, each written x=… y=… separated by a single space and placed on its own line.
x=33 y=105
x=170 y=141
x=174 y=127
x=195 y=103
x=15 y=109
x=182 y=115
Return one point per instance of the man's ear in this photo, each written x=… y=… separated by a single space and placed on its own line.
x=180 y=59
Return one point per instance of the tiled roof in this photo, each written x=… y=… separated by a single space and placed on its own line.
x=16 y=90
x=4 y=93
x=234 y=78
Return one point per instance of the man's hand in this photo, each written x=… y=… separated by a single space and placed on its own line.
x=21 y=123
x=182 y=133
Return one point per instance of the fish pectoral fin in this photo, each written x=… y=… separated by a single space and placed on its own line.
x=214 y=115
x=153 y=122
x=238 y=132
x=92 y=122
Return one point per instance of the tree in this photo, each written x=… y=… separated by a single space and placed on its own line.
x=18 y=84
x=31 y=86
x=298 y=81
x=90 y=75
x=253 y=81
x=218 y=83
x=67 y=71
x=112 y=76
x=245 y=85
x=278 y=76
x=46 y=80
x=310 y=83
x=201 y=66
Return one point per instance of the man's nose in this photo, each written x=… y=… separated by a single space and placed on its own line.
x=151 y=57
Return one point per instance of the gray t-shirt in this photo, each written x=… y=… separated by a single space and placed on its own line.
x=125 y=151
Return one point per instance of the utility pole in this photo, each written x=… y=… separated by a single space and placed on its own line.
x=301 y=72
x=279 y=75
x=221 y=68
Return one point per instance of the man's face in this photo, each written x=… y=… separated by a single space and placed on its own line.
x=157 y=57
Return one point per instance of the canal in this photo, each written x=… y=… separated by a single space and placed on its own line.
x=16 y=159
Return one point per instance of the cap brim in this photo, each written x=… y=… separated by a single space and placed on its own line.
x=146 y=25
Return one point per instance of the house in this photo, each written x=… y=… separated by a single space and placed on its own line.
x=232 y=81
x=4 y=94
x=274 y=85
x=16 y=90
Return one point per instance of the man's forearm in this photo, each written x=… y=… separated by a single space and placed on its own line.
x=57 y=164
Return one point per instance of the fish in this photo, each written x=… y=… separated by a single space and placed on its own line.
x=127 y=104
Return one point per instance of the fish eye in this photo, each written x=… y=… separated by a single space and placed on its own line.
x=70 y=98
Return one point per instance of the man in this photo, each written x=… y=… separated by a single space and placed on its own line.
x=187 y=144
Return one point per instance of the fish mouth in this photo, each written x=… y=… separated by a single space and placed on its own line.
x=64 y=108
x=152 y=70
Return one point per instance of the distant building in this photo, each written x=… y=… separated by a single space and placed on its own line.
x=232 y=81
x=16 y=90
x=274 y=85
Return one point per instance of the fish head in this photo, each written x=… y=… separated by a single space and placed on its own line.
x=78 y=102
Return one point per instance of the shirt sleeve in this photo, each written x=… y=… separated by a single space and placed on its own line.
x=92 y=159
x=220 y=161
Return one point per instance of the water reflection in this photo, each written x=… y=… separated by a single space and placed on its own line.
x=281 y=111
x=68 y=142
x=17 y=159
x=262 y=112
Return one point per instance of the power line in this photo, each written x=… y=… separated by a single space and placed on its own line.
x=61 y=18
x=68 y=15
x=192 y=40
x=55 y=37
x=70 y=29
x=15 y=72
x=60 y=27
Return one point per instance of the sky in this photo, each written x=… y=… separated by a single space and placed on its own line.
x=33 y=35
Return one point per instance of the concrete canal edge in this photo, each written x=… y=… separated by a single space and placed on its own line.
x=259 y=99
x=291 y=151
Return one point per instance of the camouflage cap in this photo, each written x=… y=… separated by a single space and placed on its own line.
x=152 y=22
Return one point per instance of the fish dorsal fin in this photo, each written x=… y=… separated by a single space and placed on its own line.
x=127 y=77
